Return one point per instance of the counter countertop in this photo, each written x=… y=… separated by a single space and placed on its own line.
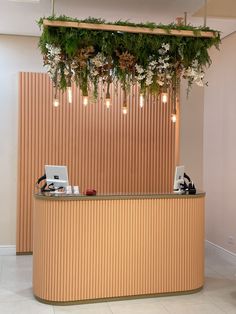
x=82 y=197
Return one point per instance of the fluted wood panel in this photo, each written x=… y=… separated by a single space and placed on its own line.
x=111 y=248
x=103 y=149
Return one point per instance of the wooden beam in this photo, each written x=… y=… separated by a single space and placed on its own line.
x=130 y=29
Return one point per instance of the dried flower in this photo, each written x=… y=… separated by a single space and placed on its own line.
x=81 y=58
x=126 y=61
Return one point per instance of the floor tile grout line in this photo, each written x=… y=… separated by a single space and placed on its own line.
x=165 y=308
x=215 y=271
x=217 y=305
x=108 y=303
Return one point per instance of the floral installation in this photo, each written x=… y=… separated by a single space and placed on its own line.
x=194 y=74
x=52 y=61
x=155 y=63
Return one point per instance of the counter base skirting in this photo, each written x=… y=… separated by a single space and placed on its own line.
x=102 y=249
x=24 y=253
x=111 y=299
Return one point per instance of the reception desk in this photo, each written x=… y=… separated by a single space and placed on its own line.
x=89 y=248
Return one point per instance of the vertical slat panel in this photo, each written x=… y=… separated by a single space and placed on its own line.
x=102 y=148
x=92 y=249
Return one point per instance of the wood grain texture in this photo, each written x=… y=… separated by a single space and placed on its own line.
x=103 y=149
x=111 y=248
x=130 y=29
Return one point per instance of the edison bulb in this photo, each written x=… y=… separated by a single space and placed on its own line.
x=124 y=110
x=141 y=100
x=173 y=117
x=56 y=102
x=108 y=102
x=164 y=97
x=85 y=100
x=69 y=94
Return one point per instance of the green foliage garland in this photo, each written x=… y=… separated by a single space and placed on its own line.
x=155 y=62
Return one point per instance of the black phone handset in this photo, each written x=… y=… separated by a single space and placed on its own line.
x=45 y=187
x=189 y=186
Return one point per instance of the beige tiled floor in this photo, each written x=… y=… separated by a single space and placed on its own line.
x=217 y=297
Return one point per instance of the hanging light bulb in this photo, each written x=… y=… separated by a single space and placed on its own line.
x=141 y=100
x=85 y=100
x=69 y=94
x=108 y=102
x=108 y=99
x=173 y=116
x=125 y=109
x=56 y=102
x=164 y=98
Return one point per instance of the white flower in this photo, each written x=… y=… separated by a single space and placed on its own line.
x=53 y=50
x=99 y=60
x=140 y=77
x=166 y=46
x=191 y=72
x=94 y=72
x=195 y=74
x=166 y=65
x=139 y=69
x=195 y=63
x=199 y=82
x=198 y=78
x=161 y=51
x=152 y=65
x=164 y=49
x=57 y=58
x=149 y=77
x=161 y=83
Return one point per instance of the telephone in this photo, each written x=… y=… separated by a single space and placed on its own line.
x=188 y=186
x=46 y=187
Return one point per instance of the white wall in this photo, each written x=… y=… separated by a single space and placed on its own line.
x=220 y=146
x=16 y=54
x=191 y=132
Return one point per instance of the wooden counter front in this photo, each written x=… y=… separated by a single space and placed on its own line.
x=99 y=247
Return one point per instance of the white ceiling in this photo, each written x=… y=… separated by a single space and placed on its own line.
x=20 y=16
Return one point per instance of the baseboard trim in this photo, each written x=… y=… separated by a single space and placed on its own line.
x=7 y=250
x=220 y=249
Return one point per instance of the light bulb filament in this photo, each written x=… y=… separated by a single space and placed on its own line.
x=125 y=109
x=108 y=102
x=69 y=94
x=56 y=102
x=85 y=100
x=164 y=97
x=141 y=100
x=173 y=117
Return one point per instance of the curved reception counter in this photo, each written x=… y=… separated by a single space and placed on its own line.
x=89 y=248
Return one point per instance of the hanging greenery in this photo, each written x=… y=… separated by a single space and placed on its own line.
x=155 y=62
